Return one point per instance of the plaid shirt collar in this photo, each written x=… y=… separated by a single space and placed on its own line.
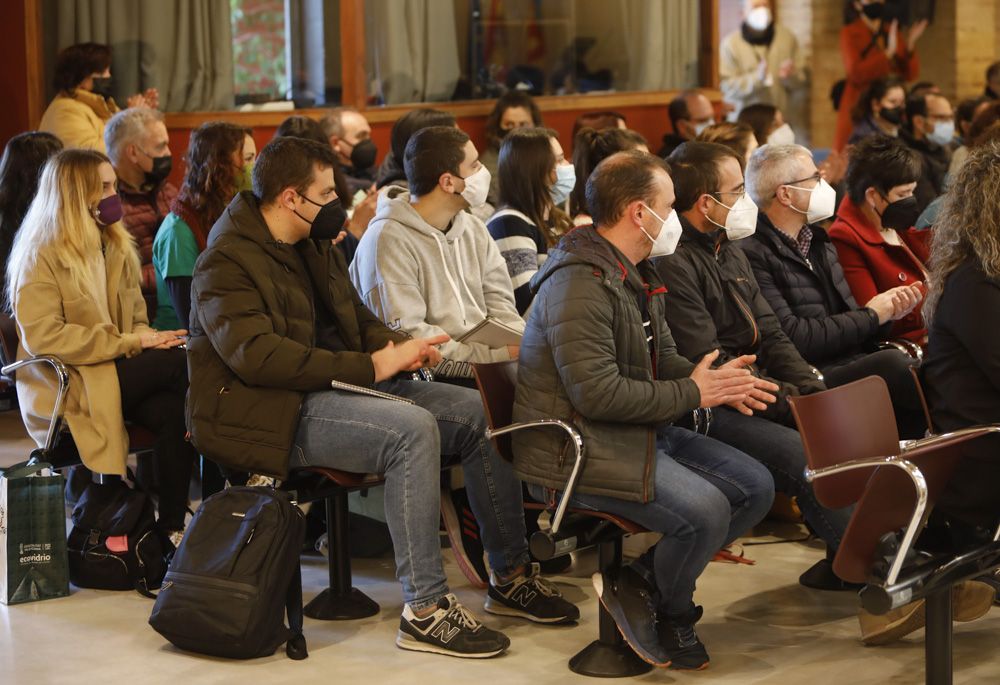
x=802 y=243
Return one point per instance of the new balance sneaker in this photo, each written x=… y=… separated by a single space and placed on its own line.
x=529 y=596
x=627 y=598
x=451 y=630
x=680 y=641
x=463 y=534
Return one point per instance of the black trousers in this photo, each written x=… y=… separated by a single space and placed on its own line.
x=894 y=368
x=153 y=388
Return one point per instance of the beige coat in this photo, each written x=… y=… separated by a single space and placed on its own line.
x=738 y=63
x=78 y=120
x=56 y=317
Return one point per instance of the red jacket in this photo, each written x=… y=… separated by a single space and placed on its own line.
x=144 y=211
x=855 y=38
x=873 y=266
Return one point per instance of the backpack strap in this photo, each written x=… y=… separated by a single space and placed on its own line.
x=295 y=648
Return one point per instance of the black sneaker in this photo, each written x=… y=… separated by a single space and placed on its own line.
x=681 y=643
x=529 y=596
x=820 y=576
x=463 y=534
x=627 y=598
x=450 y=630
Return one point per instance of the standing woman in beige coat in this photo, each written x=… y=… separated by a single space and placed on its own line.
x=73 y=283
x=83 y=102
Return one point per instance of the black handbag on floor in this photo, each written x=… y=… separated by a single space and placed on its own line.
x=233 y=577
x=115 y=543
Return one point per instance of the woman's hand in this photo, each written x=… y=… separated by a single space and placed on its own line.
x=162 y=340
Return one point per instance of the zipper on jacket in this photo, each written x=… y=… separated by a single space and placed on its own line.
x=747 y=313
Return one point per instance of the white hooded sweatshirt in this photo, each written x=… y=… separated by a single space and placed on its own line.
x=424 y=281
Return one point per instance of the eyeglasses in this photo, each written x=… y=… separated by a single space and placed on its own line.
x=740 y=194
x=815 y=177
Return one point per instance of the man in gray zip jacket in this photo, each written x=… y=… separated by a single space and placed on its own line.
x=597 y=352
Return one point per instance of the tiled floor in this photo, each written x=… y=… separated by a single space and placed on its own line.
x=760 y=626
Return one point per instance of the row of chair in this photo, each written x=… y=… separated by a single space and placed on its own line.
x=854 y=457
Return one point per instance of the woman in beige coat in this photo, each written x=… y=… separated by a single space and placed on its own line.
x=73 y=283
x=83 y=102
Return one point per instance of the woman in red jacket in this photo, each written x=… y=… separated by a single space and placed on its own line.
x=872 y=232
x=872 y=49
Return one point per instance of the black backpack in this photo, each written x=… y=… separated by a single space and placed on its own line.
x=114 y=543
x=233 y=577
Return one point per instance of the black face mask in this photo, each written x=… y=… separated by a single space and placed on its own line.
x=102 y=86
x=364 y=153
x=901 y=214
x=161 y=169
x=328 y=222
x=894 y=115
x=873 y=11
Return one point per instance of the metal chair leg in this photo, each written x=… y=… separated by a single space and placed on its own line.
x=938 y=637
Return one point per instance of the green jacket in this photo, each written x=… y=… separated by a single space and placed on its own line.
x=253 y=349
x=584 y=358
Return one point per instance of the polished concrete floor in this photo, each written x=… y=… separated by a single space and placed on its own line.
x=760 y=626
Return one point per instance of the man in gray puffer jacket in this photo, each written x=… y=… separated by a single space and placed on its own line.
x=597 y=352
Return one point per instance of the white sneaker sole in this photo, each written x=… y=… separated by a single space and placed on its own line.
x=494 y=606
x=407 y=641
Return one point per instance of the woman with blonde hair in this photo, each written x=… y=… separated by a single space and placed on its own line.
x=961 y=368
x=73 y=283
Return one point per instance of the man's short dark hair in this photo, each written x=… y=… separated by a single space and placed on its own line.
x=431 y=152
x=916 y=106
x=882 y=163
x=678 y=110
x=696 y=171
x=620 y=180
x=992 y=71
x=286 y=162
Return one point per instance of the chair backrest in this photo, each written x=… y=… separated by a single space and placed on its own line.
x=8 y=339
x=856 y=421
x=915 y=372
x=497 y=382
x=853 y=421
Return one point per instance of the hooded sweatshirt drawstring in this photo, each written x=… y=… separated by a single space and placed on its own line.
x=451 y=281
x=463 y=279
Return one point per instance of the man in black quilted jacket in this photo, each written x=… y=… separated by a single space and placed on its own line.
x=800 y=276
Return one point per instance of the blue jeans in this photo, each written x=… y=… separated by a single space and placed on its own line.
x=706 y=494
x=780 y=449
x=409 y=444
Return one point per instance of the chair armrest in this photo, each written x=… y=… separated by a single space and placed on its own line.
x=907 y=347
x=62 y=375
x=575 y=439
x=701 y=419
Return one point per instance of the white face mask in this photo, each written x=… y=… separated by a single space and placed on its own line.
x=759 y=18
x=742 y=220
x=822 y=202
x=943 y=133
x=783 y=135
x=700 y=128
x=670 y=233
x=477 y=187
x=565 y=182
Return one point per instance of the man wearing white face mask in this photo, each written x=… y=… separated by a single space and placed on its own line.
x=762 y=63
x=800 y=276
x=714 y=303
x=930 y=131
x=426 y=264
x=597 y=352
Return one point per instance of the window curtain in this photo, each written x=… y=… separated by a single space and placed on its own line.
x=412 y=50
x=181 y=47
x=662 y=45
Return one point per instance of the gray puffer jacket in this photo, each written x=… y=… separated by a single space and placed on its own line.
x=585 y=358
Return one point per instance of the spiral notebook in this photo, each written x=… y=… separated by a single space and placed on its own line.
x=491 y=333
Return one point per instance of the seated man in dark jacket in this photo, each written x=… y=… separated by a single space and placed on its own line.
x=799 y=275
x=713 y=303
x=597 y=352
x=274 y=320
x=930 y=131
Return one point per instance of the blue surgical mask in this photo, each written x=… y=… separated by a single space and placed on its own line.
x=565 y=182
x=943 y=133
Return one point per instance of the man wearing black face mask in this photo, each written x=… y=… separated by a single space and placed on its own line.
x=139 y=149
x=872 y=233
x=350 y=138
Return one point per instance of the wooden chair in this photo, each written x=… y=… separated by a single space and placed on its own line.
x=854 y=457
x=609 y=656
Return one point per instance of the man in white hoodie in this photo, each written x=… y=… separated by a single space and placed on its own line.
x=426 y=266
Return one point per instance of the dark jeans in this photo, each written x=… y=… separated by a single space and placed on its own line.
x=153 y=387
x=779 y=448
x=893 y=367
x=706 y=494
